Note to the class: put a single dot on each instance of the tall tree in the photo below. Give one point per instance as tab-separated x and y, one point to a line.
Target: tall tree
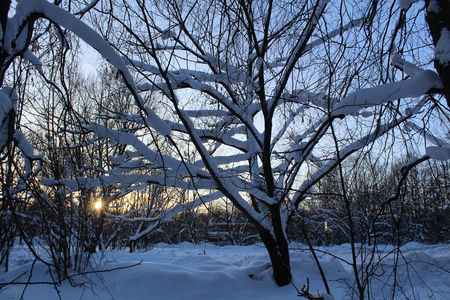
277	82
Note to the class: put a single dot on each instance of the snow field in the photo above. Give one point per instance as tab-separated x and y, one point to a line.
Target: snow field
195	271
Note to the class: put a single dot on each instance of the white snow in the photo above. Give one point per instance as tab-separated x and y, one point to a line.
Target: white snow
29	56
415	86
438	153
168	34
407	67
205	271
405	4
433	7
442	50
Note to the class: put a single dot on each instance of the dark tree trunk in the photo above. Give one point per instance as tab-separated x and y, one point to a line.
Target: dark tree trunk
438	18
4	8
278	249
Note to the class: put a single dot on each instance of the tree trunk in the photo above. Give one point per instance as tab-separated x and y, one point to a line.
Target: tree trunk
438	19
4	8
278	249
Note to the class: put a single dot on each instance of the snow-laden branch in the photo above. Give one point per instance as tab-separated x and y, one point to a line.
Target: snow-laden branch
8	134
409	68
221	134
280	62
181	75
405	4
164	161
442	49
300	152
228	159
297	52
349	149
306	99
441	150
416	86
87	7
220	177
235	74
26	149
224	137
250	188
168	214
411	126
438	153
30	57
128	182
26	8
332	34
287	123
182	79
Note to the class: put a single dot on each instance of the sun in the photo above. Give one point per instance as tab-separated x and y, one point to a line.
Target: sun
98	205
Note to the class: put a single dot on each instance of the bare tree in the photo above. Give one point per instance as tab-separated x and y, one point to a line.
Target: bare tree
273	81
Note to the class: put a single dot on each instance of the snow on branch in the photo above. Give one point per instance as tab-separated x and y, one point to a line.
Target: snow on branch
92	38
170	213
442	49
8	104
164	161
411	126
181	75
334	33
127	182
407	67
298	51
441	150
228	159
87	7
233	73
220	134
405	4
350	149
306	98
251	188
286	124
207	113
27	150
416	86
182	79
29	56
439	153
199	81
224	137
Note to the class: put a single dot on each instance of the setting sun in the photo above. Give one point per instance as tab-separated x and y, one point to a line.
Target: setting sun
98	205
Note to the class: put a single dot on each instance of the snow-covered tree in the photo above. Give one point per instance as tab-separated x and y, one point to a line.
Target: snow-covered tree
272	95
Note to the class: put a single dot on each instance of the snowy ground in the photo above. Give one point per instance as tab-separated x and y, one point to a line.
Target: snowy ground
189	271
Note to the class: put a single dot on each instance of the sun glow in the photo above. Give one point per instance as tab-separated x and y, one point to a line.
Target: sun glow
98	205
